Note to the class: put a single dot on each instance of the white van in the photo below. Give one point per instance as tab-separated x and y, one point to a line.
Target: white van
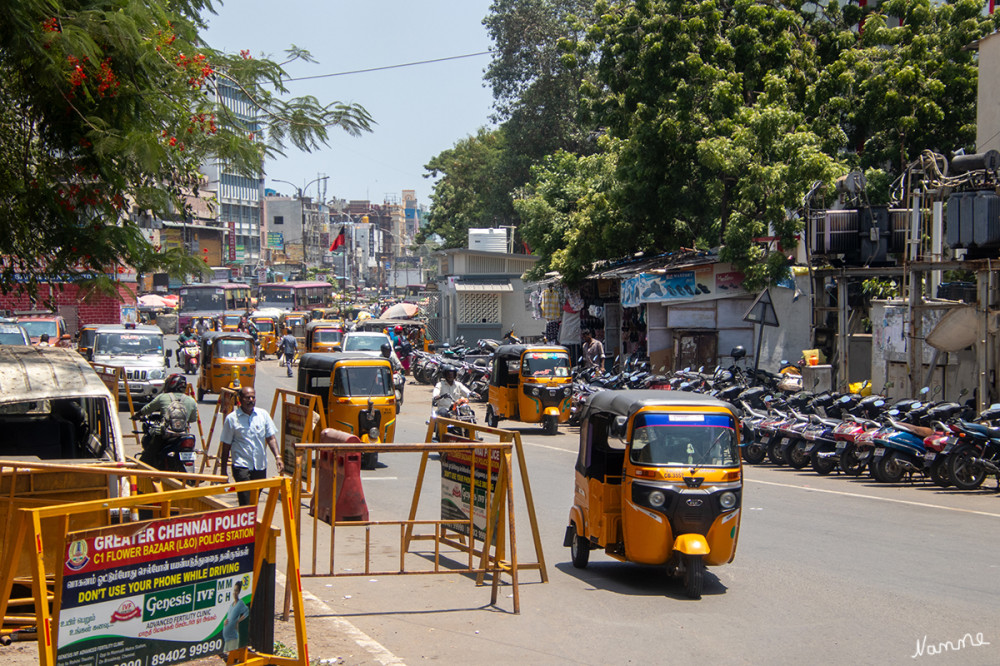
53	406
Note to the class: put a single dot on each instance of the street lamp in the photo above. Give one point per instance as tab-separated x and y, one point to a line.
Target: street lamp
302	209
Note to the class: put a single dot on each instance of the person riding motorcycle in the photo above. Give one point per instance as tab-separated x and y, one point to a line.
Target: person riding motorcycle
394	361
174	390
449	390
187	337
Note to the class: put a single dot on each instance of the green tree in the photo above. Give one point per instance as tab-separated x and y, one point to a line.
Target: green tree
473	189
567	215
105	108
908	83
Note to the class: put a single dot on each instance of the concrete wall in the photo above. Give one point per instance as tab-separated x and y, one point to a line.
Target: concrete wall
889	355
988	95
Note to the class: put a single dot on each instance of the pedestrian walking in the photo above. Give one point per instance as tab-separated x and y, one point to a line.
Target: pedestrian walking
593	351
288	346
248	432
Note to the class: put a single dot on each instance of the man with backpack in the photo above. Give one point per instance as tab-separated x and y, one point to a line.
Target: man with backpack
177	410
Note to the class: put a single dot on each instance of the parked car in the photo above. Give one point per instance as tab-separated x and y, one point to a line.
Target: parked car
140	352
13	334
51	324
365	341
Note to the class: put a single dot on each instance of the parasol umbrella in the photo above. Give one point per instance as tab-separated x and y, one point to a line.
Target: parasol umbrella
400	311
154	301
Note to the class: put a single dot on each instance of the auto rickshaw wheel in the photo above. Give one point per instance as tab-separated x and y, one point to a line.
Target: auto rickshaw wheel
491	417
551	425
579	550
201	394
694	576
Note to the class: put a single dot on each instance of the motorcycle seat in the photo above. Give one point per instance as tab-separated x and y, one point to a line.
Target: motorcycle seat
919	431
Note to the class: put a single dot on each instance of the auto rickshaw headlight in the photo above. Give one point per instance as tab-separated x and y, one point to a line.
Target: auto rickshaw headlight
727	500
534	391
657	498
373	433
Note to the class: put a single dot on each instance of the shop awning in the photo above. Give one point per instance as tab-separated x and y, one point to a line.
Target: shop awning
484	286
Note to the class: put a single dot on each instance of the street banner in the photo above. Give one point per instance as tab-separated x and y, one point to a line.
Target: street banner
157	592
456	487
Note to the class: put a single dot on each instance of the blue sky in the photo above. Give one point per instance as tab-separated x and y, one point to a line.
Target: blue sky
420	111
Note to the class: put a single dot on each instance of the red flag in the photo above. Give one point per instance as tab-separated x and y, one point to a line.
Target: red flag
338	241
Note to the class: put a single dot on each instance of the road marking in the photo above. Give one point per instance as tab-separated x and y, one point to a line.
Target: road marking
875	497
380	478
546	446
378	651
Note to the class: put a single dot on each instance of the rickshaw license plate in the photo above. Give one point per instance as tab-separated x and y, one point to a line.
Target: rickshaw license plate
187	455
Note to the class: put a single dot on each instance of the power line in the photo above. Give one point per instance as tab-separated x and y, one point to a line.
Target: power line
377	69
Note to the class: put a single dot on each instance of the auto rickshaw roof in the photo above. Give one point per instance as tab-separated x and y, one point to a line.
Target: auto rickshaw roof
626	403
324	323
510	352
327	361
211	336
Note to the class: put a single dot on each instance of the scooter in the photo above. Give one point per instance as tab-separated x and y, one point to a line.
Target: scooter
167	453
189	356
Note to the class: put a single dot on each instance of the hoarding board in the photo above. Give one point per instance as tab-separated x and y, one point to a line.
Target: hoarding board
157	592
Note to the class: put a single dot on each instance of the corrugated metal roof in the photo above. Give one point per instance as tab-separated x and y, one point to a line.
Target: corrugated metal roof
671	261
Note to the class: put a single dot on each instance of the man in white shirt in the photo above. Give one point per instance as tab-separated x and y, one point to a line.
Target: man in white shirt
245	432
449	389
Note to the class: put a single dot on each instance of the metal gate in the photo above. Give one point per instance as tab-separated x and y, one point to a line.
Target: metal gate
433	310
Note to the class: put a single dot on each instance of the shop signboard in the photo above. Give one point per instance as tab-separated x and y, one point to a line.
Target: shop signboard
705	283
157	592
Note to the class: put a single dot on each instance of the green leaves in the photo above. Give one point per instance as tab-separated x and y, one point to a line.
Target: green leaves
108	110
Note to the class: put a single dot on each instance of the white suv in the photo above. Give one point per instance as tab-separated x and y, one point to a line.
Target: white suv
140	351
365	341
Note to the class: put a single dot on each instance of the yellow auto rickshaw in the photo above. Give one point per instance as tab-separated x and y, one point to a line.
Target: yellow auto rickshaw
658	481
530	383
85	340
229	322
224	356
323	336
267	334
296	323
358	393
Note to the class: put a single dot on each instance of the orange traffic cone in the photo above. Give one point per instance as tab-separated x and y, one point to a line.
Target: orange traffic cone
351	503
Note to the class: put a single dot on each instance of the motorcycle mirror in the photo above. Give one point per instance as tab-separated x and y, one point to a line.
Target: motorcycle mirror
925	390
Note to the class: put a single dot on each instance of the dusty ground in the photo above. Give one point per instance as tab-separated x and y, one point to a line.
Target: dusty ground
331	640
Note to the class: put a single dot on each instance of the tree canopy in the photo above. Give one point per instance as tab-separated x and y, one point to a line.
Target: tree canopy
107	107
720	115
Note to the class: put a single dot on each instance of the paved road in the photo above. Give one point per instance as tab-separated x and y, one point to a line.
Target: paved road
829	570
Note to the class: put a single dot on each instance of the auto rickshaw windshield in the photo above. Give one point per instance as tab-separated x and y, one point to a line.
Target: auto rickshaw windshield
327	335
545	364
233	348
702	440
264	326
362	380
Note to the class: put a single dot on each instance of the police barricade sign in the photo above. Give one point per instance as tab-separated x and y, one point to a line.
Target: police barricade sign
456	488
157	592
